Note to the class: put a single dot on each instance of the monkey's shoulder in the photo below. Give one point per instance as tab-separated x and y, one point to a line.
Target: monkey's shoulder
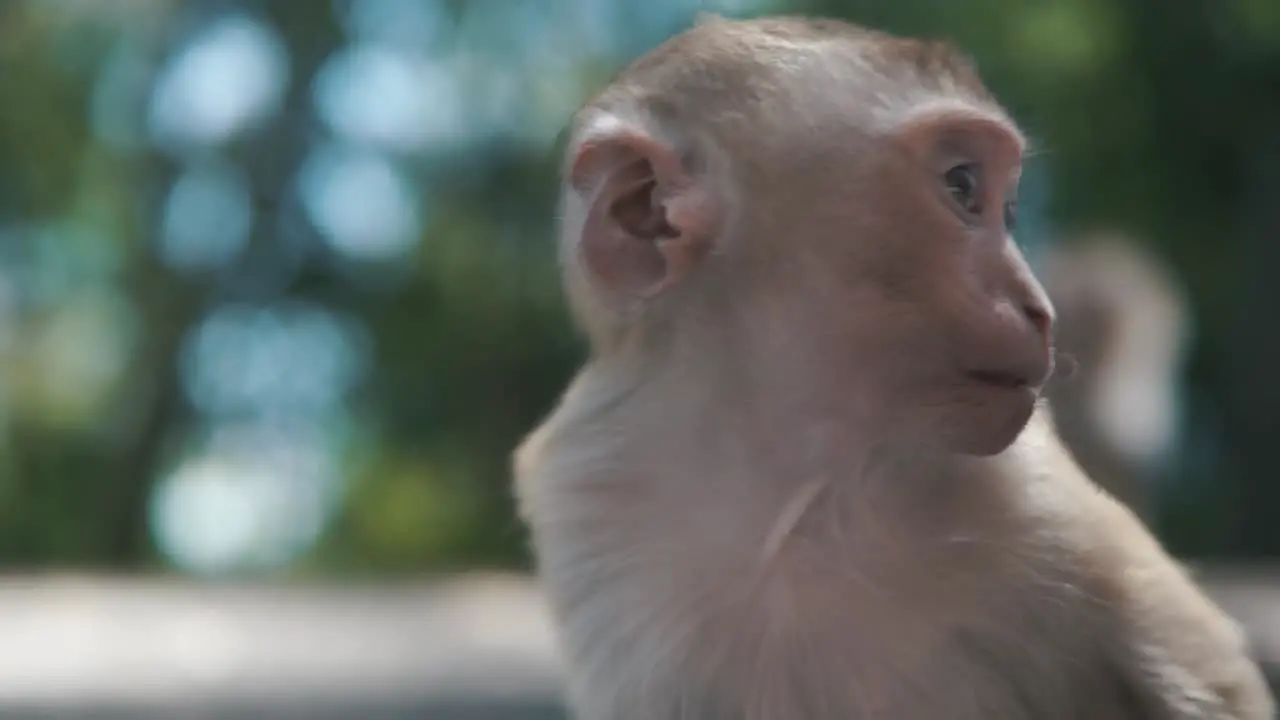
980	603
991	622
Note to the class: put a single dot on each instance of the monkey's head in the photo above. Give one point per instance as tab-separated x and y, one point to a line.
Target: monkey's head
834	207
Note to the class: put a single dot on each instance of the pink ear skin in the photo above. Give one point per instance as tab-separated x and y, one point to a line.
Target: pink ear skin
649	221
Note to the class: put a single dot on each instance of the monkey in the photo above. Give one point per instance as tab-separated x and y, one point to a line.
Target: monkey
1122	316
806	471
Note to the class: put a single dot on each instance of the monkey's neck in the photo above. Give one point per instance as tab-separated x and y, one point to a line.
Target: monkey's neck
750	433
725	486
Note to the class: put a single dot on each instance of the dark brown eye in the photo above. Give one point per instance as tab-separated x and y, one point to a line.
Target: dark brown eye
1010	215
962	182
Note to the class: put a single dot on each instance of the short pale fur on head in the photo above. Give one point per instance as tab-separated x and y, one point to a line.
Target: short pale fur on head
829	129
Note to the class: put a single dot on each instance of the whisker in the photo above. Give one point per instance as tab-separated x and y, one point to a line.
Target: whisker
1065	366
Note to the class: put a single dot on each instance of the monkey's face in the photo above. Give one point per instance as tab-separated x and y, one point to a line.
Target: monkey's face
878	272
949	318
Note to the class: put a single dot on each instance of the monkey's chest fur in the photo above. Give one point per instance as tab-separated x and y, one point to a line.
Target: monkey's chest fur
677	611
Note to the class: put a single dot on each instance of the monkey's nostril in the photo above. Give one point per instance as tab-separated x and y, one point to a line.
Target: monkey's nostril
1040	318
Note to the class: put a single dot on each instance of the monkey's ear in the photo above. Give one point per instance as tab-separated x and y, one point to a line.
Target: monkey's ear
649	221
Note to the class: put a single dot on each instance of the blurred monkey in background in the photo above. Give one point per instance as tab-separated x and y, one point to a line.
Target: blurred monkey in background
1123	319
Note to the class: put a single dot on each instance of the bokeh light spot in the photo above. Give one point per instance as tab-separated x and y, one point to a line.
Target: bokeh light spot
207	218
361	203
231	75
390	99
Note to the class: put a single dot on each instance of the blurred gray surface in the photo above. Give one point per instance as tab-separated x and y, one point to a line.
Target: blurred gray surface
380	709
478	648
1251	593
474	648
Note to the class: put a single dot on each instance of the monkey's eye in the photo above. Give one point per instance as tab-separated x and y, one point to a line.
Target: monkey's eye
1011	215
962	182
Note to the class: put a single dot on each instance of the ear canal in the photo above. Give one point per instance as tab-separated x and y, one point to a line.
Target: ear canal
636	209
624	223
646	223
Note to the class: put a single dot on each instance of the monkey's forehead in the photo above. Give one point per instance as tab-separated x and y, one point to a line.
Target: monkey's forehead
744	45
824	74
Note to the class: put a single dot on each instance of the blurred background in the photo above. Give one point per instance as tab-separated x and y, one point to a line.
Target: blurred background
278	298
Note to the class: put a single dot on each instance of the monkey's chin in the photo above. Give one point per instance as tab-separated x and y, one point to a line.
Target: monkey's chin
991	429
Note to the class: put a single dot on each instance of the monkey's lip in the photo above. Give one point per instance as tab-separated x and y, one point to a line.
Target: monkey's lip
1000	378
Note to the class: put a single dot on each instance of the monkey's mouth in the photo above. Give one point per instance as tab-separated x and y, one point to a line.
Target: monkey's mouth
999	378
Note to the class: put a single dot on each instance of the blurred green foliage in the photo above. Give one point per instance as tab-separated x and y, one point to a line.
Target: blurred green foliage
1160	117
